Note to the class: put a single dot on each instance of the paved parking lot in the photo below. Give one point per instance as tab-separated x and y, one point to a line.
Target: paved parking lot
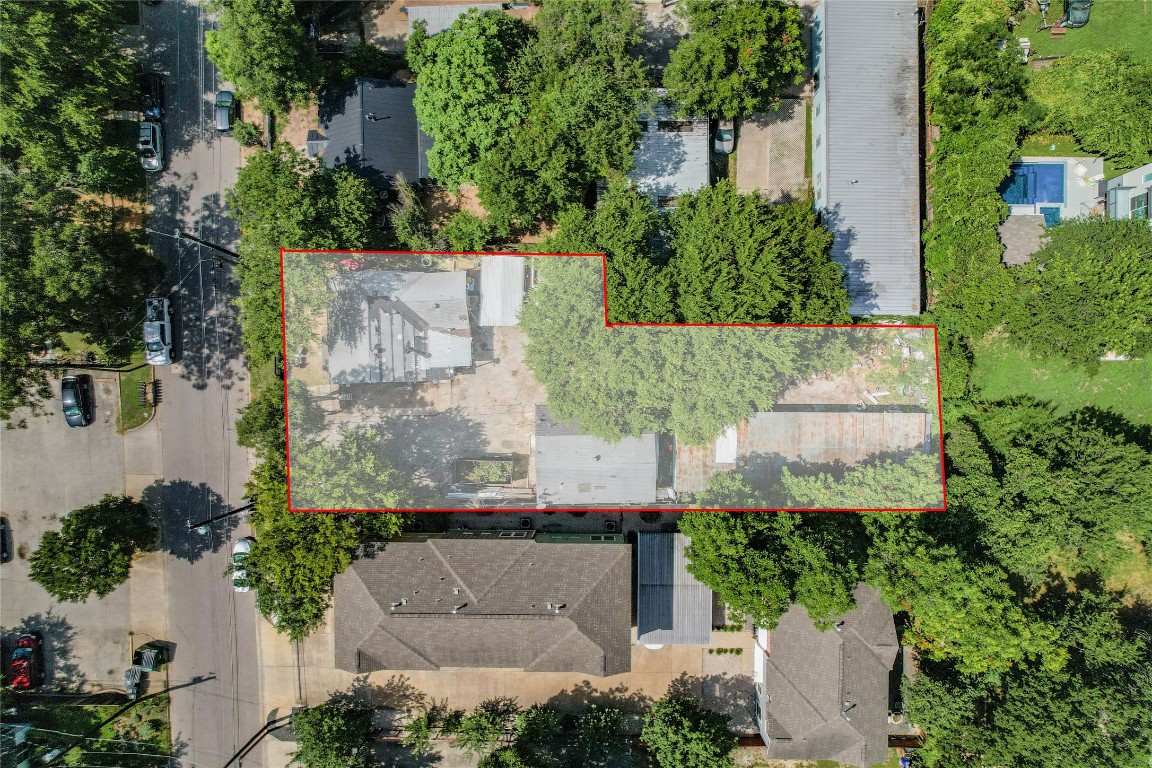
48	470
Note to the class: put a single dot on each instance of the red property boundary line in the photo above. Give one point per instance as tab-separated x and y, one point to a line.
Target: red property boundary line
604	281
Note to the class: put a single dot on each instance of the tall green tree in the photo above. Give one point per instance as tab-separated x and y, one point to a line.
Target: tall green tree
336	734
470	92
262	48
354	475
682	733
912	483
1104	98
738	259
1087	291
92	553
737	57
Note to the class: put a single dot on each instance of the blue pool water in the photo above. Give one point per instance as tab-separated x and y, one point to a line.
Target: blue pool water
1029	183
1051	216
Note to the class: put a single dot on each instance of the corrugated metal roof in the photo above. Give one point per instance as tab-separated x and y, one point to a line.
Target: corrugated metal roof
394	607
575	470
377	149
668	162
439	17
501	290
672	607
872	114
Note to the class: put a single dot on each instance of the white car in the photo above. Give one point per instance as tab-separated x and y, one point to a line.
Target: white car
158	331
150	146
725	141
240	552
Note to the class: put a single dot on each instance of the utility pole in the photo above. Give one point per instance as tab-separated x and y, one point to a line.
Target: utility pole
205	523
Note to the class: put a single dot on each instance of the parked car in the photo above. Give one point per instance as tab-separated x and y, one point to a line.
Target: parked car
152	96
225	102
74	400
150	145
158	331
26	667
725	141
240	552
5	540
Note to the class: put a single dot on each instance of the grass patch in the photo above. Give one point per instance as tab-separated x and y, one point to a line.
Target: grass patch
1040	144
1114	24
807	140
1003	370
75	344
132	414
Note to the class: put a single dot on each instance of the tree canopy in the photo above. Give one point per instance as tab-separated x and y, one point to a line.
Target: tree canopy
354	475
92	553
336	734
470	91
682	733
262	48
914	482
1087	291
737	57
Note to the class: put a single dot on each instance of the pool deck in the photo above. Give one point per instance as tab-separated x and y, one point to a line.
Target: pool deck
1022	232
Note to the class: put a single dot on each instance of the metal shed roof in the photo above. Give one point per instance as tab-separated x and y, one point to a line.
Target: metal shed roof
439	17
669	162
672	607
872	114
501	290
377	148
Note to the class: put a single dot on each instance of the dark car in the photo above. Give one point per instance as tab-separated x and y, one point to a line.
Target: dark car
26	667
225	105
75	401
5	540
152	96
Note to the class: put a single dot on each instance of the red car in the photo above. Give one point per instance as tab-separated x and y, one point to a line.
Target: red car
27	665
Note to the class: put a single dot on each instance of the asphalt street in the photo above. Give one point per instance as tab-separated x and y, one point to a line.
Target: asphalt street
203	469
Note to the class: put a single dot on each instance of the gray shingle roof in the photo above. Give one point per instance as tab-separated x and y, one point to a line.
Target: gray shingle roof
379	149
575	470
672	607
872	116
827	692
502	589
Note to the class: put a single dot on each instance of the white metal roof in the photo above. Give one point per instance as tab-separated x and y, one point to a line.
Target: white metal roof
501	290
439	17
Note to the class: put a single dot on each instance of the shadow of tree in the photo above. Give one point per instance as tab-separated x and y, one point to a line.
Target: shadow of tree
177	503
63	673
396	693
732	695
580	698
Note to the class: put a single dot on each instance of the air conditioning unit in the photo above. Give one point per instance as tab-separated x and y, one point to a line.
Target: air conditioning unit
895	718
610	526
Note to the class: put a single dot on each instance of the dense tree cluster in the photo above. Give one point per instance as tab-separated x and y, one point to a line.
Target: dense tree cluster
335	734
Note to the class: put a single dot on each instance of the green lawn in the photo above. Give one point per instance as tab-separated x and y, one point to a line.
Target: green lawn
1114	24
1003	371
132	414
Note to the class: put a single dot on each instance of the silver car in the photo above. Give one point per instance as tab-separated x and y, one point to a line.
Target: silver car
725	141
225	102
240	552
158	331
150	145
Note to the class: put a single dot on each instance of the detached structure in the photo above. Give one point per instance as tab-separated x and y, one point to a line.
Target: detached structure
866	148
438	18
672	607
578	470
493	599
674	156
397	327
501	290
825	695
372	129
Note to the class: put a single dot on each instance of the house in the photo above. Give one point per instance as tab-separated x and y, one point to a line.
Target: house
672	607
1130	196
438	18
674	156
501	290
397	326
578	470
825	695
866	148
517	600
372	129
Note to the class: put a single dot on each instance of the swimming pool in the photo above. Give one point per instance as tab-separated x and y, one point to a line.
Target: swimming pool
1029	183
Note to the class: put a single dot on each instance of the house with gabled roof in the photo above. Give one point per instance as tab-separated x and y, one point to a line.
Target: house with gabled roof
674	156
519	600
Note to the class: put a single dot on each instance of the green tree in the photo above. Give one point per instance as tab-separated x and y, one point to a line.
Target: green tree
262	48
737	57
64	54
738	259
354	475
92	553
729	490
1087	291
982	83
468	94
598	737
1105	98
336	734
681	733
912	483
761	563
465	231
479	732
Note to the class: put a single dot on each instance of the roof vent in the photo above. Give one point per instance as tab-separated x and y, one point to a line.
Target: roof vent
396	605
455	590
839	626
560	605
457	608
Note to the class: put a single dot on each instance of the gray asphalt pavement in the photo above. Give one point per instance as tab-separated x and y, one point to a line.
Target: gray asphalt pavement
213	627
